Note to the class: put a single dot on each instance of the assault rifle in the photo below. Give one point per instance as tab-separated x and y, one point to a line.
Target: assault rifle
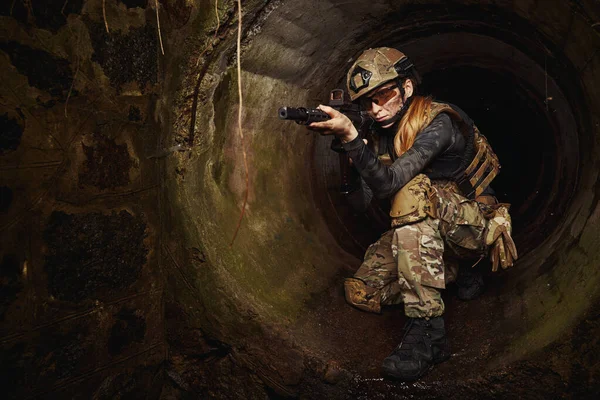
361	120
337	100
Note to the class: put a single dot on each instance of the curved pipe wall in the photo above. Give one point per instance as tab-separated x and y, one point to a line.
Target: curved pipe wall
284	271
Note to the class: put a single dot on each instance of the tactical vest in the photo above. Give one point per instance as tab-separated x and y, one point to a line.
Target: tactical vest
412	203
484	166
480	170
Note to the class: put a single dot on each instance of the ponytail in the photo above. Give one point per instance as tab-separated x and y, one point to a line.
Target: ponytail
415	119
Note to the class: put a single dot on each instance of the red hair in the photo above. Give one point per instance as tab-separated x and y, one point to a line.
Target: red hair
415	119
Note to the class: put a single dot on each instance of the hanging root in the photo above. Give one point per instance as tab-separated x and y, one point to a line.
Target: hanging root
104	15
214	37
71	88
62	10
239	76
162	49
217	15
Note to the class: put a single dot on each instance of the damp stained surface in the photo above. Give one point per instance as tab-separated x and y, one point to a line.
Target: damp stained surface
11	134
107	164
135	3
88	253
45	14
123	174
43	70
12	284
6	198
129	326
126	57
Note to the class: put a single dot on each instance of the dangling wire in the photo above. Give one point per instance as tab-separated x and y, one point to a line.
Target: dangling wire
239	76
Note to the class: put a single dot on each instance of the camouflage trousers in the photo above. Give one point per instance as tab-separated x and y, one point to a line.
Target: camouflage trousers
411	263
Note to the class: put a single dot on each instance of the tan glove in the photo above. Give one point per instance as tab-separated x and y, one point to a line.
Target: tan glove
502	247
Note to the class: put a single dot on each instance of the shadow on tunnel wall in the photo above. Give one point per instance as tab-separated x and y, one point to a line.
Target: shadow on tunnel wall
123	174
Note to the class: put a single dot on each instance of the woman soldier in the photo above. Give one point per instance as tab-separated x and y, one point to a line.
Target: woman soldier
432	162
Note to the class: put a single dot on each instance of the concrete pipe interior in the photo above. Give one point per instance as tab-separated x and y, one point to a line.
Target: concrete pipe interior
124	176
529	79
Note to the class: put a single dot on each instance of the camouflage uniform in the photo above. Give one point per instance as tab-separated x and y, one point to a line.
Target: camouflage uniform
437	226
432	223
422	250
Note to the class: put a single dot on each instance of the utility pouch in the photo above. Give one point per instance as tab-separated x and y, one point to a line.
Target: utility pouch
412	203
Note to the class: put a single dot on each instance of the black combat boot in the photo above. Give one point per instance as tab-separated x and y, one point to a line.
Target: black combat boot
423	345
469	283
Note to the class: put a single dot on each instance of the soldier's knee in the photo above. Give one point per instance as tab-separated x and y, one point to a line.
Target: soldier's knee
361	296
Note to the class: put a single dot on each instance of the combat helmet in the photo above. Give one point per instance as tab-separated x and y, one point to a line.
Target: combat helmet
375	67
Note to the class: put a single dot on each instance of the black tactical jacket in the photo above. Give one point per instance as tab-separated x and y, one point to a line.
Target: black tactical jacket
440	151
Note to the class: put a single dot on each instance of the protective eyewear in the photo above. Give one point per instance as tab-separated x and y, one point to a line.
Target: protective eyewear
380	97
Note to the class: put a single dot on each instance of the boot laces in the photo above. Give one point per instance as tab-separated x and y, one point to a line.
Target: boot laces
414	334
467	278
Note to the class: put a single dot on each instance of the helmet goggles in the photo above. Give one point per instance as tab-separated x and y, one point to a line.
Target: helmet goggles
381	96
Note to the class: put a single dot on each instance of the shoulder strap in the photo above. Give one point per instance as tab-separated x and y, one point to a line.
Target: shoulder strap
484	166
438	108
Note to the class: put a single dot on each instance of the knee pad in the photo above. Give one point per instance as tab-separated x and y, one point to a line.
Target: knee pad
361	296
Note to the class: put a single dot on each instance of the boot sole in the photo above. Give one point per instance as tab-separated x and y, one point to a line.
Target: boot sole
391	373
442	358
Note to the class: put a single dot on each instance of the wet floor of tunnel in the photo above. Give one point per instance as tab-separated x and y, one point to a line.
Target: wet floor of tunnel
122	183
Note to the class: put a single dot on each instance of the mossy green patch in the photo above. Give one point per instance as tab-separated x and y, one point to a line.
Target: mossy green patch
274	262
557	300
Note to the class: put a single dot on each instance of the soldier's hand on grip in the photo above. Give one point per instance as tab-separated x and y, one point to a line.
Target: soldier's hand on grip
339	125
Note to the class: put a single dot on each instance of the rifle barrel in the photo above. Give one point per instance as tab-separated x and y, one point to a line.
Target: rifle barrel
303	115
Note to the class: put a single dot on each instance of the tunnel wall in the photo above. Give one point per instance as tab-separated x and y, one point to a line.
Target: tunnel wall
82	298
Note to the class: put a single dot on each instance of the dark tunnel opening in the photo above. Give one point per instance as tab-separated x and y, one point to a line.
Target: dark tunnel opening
519	130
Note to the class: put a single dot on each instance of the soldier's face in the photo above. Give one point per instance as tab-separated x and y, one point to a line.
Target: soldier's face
386	101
